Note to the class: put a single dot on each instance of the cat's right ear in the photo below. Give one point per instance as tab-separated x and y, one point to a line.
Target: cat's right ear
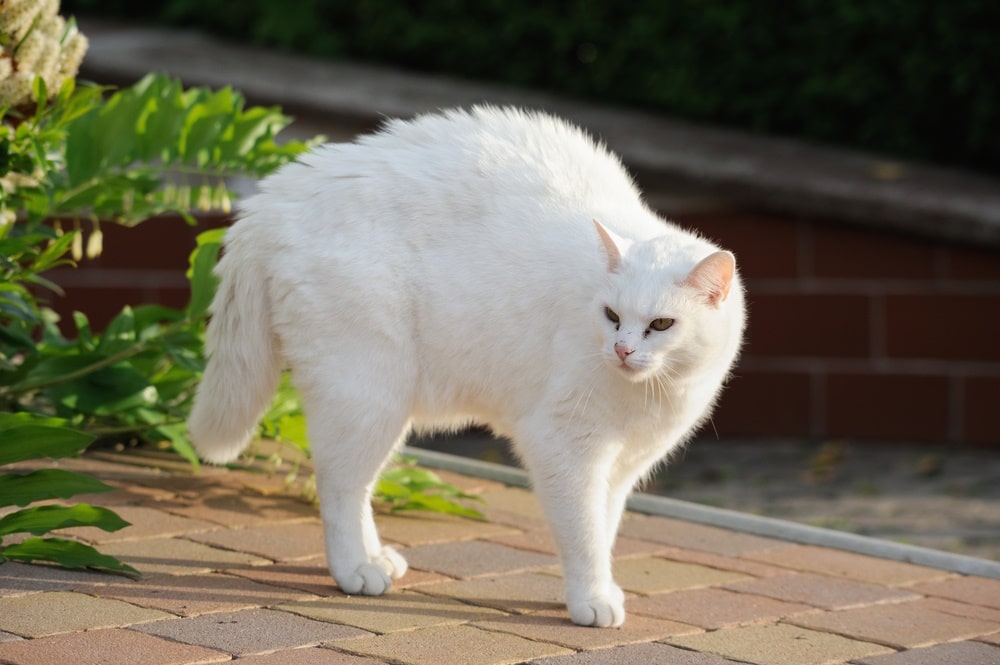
613	246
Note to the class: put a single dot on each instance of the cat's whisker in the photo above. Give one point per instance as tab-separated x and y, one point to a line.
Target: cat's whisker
585	397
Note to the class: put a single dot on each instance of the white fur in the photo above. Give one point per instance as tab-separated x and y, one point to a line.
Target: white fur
448	270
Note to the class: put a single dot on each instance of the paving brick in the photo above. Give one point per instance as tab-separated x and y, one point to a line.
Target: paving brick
126	495
17	579
820	591
679	533
962	609
473	558
520	592
115	646
434	646
655	575
535	540
144	523
780	644
54	612
250	631
971	590
177	556
244	508
308	656
720	562
555	627
901	625
637	654
959	653
191	595
414	529
847	564
403	610
714	608
313	576
541	540
278	542
514	500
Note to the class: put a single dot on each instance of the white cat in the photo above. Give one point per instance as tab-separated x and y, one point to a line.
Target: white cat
490	266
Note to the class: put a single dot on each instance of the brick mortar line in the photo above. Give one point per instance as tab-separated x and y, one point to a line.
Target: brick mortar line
794	285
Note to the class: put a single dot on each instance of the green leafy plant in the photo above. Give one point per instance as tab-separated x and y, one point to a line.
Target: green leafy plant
143	151
79	155
25	437
409	487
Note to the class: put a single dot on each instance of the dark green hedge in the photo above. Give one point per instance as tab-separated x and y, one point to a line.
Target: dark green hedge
915	78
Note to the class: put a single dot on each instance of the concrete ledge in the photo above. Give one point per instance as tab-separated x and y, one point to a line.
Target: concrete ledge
735	521
768	174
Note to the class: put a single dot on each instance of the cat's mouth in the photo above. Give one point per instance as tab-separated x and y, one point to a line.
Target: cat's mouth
632	372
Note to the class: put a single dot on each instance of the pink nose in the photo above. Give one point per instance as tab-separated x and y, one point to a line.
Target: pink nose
623	350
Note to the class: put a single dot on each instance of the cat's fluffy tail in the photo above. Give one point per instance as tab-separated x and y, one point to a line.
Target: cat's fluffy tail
244	364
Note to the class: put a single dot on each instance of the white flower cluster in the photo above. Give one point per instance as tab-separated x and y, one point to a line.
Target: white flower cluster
36	41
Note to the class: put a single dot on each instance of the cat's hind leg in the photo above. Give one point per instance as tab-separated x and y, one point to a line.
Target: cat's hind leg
353	432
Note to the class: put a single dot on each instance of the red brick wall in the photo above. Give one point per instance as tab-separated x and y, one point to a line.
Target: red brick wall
144	264
853	333
861	333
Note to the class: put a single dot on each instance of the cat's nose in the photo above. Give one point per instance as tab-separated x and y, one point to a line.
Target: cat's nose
623	350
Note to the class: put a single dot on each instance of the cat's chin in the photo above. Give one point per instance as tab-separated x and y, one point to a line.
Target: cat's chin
632	373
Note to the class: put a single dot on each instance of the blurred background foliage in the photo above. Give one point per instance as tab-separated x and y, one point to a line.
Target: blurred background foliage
913	78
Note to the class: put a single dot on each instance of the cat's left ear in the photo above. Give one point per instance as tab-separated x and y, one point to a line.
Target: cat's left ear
614	246
713	277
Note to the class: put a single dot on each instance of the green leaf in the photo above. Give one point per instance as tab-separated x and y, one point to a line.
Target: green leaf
106	391
120	333
83	332
66	553
203	280
53	252
43	519
23	442
54	368
438	504
177	435
20	490
391	491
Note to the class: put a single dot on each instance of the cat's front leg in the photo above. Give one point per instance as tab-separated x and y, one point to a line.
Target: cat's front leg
573	491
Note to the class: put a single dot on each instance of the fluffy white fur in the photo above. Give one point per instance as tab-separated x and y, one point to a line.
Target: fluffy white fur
449	270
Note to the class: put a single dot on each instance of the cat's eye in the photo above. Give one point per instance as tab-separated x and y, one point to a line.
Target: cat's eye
612	316
661	324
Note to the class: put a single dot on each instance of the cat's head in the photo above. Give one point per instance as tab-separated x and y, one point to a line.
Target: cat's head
668	308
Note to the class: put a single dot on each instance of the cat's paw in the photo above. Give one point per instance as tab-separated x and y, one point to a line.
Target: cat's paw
602	612
368	579
392	562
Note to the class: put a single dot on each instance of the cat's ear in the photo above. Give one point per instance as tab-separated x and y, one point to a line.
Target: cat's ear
613	245
713	277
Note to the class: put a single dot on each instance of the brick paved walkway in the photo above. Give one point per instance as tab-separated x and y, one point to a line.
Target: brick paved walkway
234	570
